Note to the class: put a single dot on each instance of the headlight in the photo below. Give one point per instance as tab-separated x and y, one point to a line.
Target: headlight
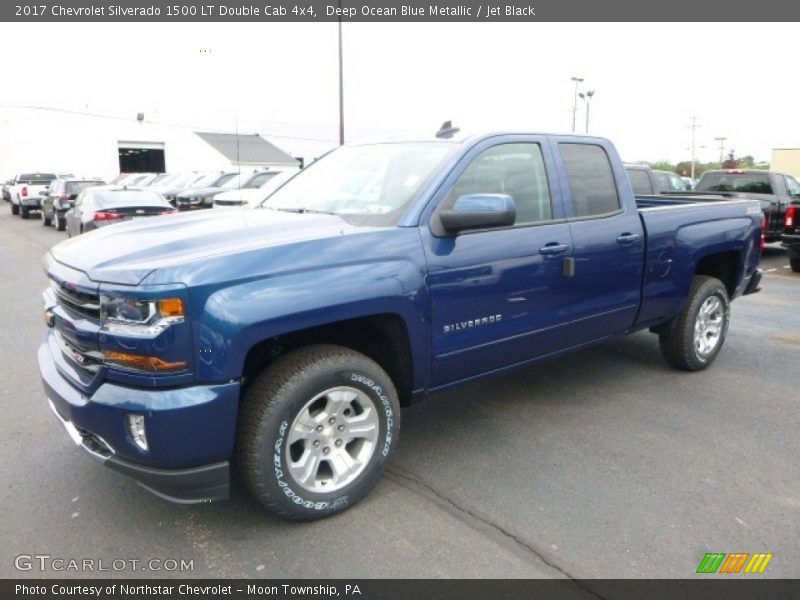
131	311
127	310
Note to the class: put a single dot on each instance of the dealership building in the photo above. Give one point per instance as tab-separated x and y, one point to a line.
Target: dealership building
92	145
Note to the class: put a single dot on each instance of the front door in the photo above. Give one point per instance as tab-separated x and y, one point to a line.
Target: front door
500	297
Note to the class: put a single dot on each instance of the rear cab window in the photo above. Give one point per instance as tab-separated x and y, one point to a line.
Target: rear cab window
640	181
727	181
591	180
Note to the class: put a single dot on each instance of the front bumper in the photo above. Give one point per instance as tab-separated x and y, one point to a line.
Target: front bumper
190	431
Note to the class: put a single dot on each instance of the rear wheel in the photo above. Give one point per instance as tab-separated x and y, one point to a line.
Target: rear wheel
795	264
14	209
25	212
693	340
316	429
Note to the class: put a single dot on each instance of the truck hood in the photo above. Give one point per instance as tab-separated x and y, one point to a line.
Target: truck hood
127	253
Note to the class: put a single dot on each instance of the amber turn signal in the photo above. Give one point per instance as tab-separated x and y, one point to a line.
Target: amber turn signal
143	363
171	307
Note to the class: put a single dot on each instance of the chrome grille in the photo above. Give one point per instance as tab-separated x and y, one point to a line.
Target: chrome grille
83	358
82	303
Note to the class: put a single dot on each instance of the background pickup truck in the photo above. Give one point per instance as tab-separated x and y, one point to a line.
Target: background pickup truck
287	337
25	193
774	190
645	181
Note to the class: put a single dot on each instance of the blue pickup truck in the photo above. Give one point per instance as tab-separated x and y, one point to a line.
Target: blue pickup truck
287	338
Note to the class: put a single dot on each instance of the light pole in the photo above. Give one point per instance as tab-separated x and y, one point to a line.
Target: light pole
694	125
721	141
587	98
341	81
577	80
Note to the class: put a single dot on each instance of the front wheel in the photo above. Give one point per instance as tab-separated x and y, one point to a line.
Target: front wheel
693	340
316	429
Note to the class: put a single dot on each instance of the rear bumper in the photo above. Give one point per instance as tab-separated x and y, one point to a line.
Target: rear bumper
190	431
29	202
792	244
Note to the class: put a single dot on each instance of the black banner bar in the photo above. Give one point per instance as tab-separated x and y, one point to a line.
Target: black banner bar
405	10
711	588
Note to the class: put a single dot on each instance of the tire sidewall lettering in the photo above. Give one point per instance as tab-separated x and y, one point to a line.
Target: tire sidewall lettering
280	446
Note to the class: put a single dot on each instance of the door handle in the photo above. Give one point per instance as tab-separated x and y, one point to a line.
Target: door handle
627	238
553	249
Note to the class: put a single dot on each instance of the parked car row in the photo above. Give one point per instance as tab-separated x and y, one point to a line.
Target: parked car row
79	204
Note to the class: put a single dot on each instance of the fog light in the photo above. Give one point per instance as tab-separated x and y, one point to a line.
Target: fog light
136	429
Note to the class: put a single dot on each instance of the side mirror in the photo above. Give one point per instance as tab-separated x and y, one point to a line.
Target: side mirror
479	211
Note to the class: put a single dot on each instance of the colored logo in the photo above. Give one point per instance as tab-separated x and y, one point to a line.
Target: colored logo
736	562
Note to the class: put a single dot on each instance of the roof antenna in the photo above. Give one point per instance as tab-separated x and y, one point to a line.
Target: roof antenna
447	130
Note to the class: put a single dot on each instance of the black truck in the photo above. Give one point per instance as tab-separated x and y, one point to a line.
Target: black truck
774	190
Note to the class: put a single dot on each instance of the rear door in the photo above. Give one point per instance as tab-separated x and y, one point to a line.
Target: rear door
608	239
499	296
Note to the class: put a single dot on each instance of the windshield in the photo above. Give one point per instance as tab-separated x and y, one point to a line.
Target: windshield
751	183
369	185
221	180
36	178
259	179
75	187
234	181
202	181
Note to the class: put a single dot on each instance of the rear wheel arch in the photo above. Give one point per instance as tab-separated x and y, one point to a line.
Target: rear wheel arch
725	266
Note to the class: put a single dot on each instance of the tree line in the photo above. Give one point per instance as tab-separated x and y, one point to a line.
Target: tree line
684	168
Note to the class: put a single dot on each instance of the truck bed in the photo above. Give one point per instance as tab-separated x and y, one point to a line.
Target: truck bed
680	231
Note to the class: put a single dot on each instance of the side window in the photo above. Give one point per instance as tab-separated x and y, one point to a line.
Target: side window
514	169
678	184
591	181
663	181
792	186
79	199
640	181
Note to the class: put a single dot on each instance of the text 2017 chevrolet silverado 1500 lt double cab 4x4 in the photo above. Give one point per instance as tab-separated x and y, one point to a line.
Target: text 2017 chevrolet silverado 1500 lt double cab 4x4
288	337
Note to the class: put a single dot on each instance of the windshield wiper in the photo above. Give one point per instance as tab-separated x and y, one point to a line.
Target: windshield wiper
302	211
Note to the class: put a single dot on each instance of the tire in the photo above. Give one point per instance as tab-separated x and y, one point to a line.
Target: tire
61	224
14	209
25	212
795	264
293	414
693	340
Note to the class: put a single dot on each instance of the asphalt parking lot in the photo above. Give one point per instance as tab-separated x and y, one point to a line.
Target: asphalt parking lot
606	463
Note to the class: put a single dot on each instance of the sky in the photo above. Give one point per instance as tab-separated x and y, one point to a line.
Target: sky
281	79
